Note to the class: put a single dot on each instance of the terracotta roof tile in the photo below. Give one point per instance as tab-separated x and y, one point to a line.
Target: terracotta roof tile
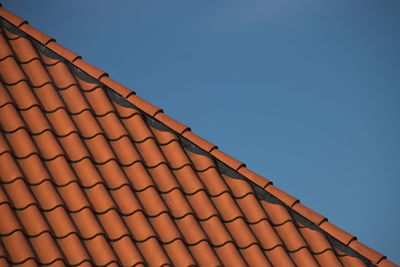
347	260
338	233
171	123
188	180
279	257
12	18
308	213
386	263
228	160
64	52
283	196
17	247
34	33
254	177
89	69
204	254
91	174
328	258
317	242
230	255
144	105
254	256
24	52
375	256
200	142
277	213
116	87
201	163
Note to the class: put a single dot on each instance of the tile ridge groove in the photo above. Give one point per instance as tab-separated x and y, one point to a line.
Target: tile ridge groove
29	61
134	190
37	153
146	214
126	94
27	129
68	111
105	235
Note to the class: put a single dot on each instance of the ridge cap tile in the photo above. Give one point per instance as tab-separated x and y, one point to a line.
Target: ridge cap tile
14	19
308	213
386	263
89	68
282	195
226	159
171	123
64	52
120	89
184	131
199	141
36	34
337	232
254	177
366	251
142	104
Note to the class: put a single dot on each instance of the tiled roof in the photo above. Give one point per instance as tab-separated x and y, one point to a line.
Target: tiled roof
91	174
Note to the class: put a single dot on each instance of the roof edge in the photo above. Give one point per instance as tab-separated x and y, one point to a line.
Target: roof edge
184	131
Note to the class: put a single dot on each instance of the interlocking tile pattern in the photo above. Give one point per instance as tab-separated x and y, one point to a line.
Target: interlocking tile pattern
91	174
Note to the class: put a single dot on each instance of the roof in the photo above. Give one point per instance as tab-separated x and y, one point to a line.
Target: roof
92	174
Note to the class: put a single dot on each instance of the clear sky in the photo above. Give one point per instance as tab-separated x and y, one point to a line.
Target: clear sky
307	93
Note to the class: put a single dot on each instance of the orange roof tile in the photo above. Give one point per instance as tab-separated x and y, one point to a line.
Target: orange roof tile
91	174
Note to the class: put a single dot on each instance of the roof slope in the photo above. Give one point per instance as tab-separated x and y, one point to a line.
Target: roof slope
91	174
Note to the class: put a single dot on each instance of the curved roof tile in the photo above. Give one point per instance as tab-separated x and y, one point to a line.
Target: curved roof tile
92	174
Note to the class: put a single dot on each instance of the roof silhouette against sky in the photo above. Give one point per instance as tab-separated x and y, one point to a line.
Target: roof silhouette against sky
178	129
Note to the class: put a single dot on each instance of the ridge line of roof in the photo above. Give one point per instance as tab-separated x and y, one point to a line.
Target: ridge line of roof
184	131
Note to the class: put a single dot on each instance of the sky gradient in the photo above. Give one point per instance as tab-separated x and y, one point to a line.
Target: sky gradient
306	93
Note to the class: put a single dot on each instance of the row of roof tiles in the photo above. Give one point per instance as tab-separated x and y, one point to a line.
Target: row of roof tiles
31	109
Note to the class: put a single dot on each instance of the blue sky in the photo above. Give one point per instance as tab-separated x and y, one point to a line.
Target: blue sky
307	93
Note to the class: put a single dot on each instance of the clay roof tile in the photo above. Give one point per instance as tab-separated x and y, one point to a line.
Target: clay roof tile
92	174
